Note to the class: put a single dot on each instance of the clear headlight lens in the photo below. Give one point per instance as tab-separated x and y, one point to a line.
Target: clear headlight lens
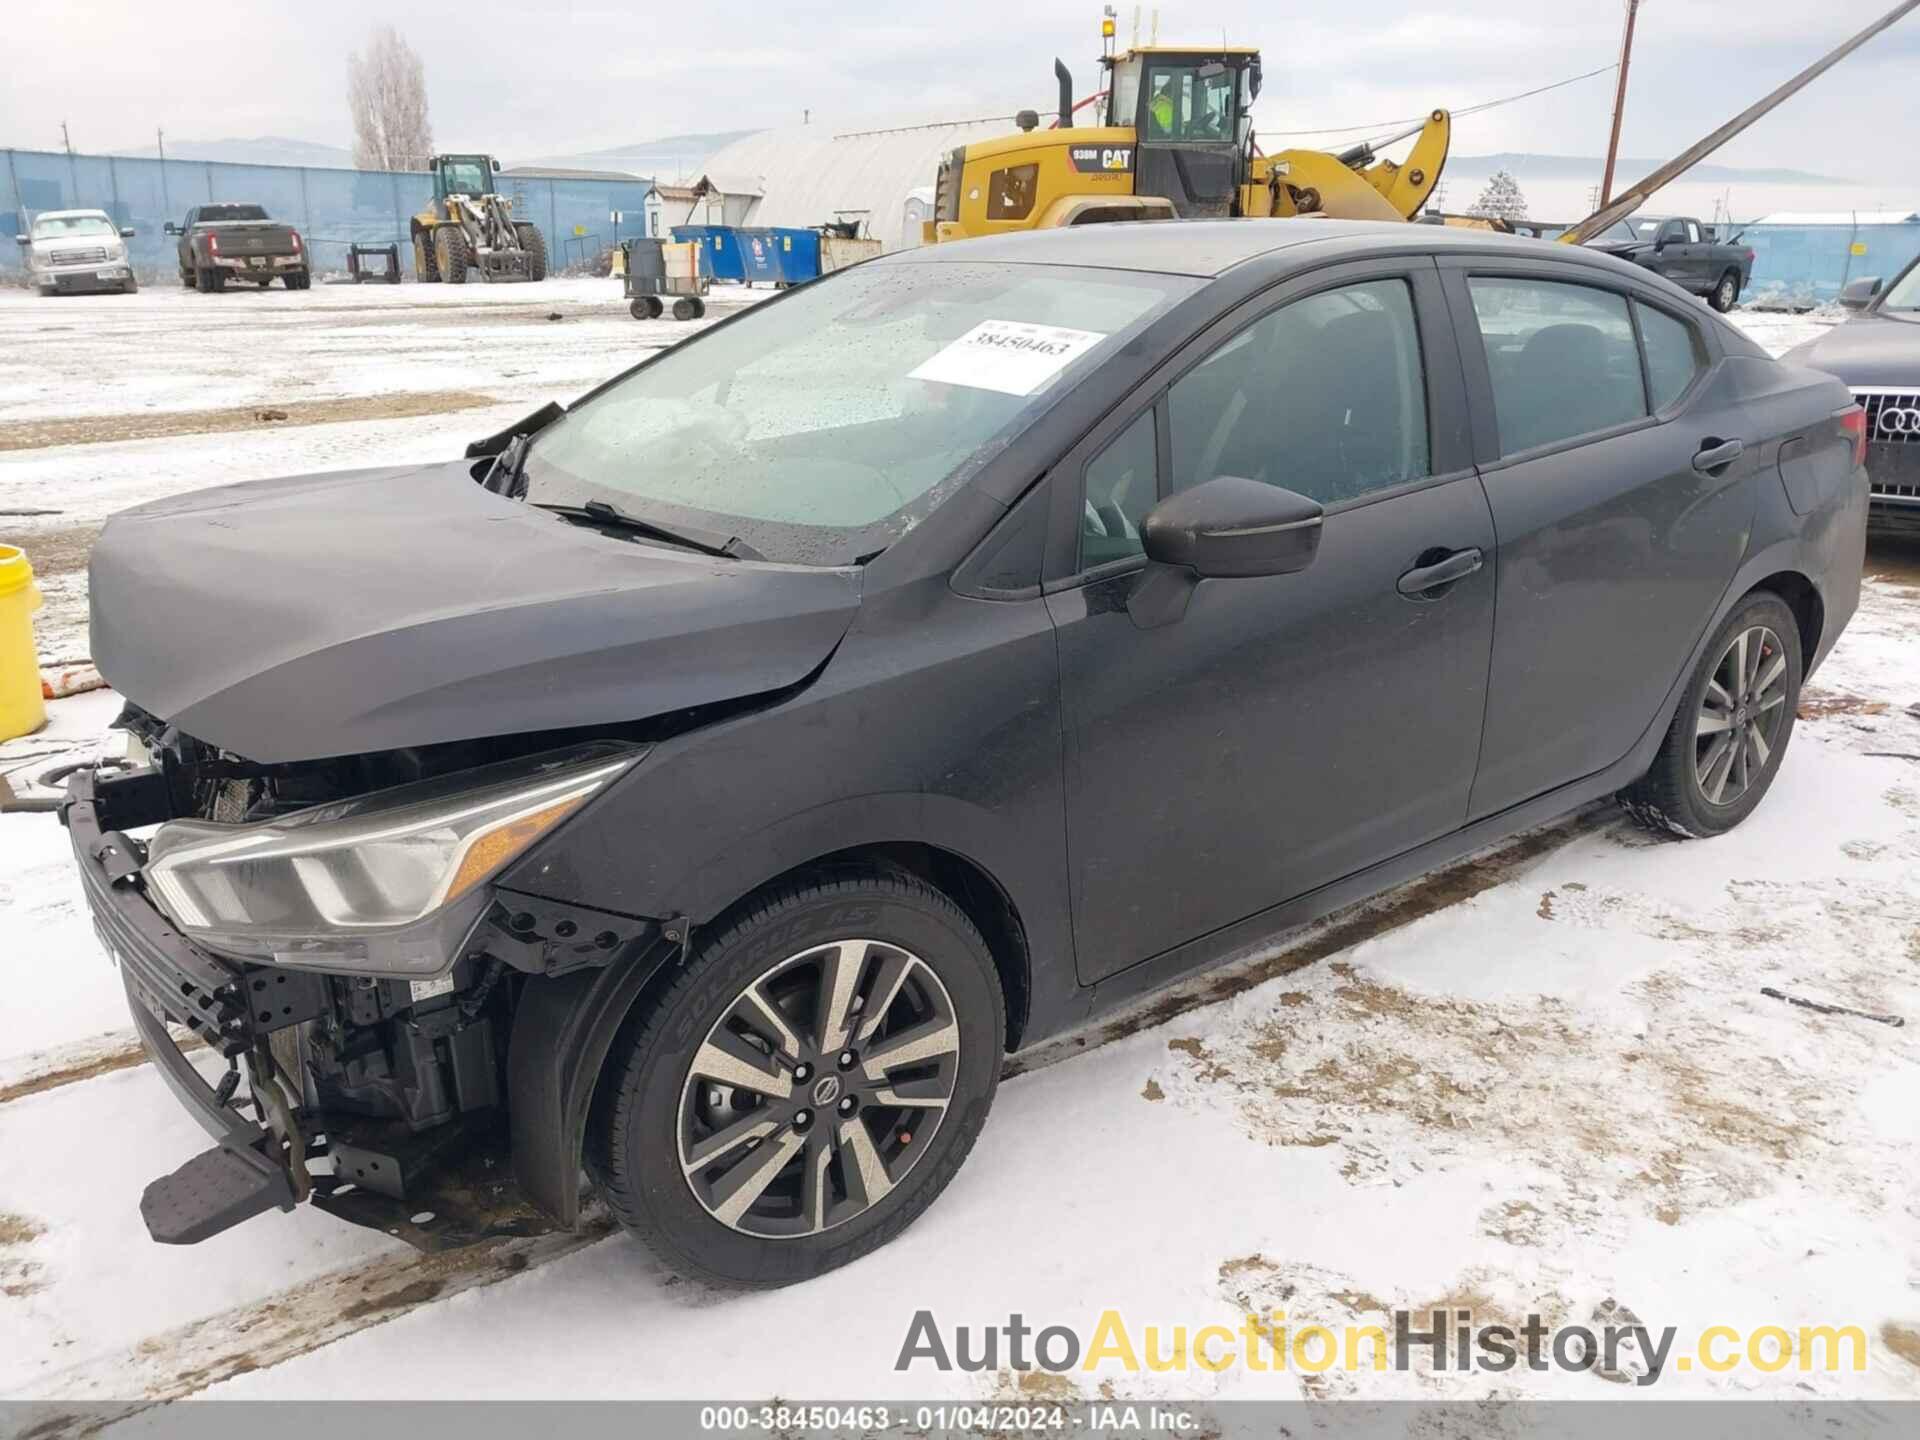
373	884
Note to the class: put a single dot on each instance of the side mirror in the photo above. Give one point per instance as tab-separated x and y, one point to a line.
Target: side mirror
1659	242
1230	527
1227	528
126	232
170	228
496	167
1858	294
22	240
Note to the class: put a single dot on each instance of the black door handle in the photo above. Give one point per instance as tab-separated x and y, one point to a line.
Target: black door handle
1457	566
1717	455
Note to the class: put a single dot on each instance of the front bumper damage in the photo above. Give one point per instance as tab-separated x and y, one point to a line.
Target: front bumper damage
436	1185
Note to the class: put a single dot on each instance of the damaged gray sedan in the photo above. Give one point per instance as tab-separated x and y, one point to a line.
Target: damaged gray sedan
693	794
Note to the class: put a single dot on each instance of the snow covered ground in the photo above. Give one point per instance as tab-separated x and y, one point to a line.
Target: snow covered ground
1534	1082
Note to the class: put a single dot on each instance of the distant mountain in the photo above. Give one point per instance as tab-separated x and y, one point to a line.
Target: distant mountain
262	150
670	157
1588	167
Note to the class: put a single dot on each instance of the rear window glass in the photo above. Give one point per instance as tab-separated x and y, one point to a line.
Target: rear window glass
215	214
1675	354
1562	358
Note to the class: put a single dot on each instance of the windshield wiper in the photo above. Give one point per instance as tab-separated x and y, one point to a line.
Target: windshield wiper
707	542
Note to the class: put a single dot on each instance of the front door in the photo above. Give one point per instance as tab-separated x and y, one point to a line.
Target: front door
1283	731
1617	536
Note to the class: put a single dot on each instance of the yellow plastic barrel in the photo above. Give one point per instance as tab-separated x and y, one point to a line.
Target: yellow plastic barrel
22	708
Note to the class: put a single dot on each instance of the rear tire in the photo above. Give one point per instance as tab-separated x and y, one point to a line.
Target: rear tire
1729	734
425	268
1726	294
211	279
450	254
300	280
836	1188
535	244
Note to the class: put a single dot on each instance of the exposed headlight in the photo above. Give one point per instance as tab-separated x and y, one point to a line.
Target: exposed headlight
389	883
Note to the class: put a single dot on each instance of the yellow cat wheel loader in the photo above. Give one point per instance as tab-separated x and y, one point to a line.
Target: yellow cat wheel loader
471	227
1175	140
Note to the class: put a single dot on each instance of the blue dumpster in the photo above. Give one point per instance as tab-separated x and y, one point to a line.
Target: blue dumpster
722	246
759	256
798	252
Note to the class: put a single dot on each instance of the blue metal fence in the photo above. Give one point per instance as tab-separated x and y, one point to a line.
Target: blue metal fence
1807	264
331	208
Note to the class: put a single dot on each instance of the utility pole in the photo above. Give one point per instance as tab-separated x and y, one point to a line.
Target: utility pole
160	141
1619	106
64	140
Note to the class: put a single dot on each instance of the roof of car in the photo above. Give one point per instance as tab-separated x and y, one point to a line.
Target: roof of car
1212	247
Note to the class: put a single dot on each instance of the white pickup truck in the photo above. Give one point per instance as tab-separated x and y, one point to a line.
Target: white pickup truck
69	250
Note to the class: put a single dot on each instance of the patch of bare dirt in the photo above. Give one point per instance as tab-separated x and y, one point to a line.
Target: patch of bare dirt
122	1055
19	1277
62	550
1152	1091
1819	704
94	429
1902	1340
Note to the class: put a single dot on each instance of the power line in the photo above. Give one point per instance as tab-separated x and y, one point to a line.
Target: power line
1483	106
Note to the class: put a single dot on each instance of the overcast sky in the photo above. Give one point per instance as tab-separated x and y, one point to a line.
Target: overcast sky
523	79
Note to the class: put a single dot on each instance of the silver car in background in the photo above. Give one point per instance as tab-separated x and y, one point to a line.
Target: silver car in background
71	250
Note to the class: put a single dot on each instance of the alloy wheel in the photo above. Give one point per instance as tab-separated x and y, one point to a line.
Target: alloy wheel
1740	716
819	1089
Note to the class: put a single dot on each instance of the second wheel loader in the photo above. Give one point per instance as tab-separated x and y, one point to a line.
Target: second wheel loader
470	226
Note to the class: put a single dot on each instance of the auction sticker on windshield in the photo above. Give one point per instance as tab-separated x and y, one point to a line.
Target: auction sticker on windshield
1007	355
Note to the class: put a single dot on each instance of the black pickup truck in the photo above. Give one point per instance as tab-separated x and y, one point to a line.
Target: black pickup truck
219	243
1685	251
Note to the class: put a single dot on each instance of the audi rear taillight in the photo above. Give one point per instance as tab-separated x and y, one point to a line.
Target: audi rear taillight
1853	420
296	241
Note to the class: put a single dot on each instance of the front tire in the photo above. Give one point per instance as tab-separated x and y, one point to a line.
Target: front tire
450	254
1726	293
527	235
807	1085
1730	733
130	286
426	270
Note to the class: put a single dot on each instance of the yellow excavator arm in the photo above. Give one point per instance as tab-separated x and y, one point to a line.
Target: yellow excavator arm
1353	185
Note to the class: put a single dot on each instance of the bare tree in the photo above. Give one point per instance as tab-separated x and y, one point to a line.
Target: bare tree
1501	199
387	93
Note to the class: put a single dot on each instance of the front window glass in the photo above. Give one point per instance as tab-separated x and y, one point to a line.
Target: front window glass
1325	397
822	426
1122	486
1190	102
57	227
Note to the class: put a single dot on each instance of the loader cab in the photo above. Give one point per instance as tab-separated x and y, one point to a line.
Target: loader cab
1190	111
463	175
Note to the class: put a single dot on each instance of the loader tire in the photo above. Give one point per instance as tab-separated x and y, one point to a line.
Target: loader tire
535	244
450	254
425	268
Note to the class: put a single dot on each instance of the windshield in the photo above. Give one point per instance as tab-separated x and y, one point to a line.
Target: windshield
1631	229
55	227
1905	292
822	426
464	177
220	214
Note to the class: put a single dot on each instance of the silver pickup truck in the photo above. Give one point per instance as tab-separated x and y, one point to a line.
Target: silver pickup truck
219	243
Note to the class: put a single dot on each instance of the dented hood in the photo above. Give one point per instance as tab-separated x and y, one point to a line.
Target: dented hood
373	609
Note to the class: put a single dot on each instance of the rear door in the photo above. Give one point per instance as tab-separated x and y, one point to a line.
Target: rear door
1619	461
1283	731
